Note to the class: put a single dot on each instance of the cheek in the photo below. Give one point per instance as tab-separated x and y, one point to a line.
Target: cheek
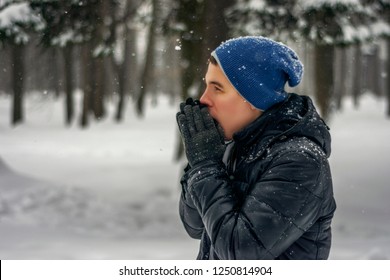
231	113
239	116
235	109
231	105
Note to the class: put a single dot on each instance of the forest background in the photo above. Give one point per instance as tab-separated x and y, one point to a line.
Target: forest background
103	183
120	51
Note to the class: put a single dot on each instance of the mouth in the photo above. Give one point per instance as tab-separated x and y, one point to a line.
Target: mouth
212	114
217	123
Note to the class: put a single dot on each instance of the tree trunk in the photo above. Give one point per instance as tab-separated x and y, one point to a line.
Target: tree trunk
130	73
340	76
376	72
86	70
18	53
98	62
121	101
323	77
56	81
128	70
215	30
387	86
147	73
68	67
212	30
98	87
357	81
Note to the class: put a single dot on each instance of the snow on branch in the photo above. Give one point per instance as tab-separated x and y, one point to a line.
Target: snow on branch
15	18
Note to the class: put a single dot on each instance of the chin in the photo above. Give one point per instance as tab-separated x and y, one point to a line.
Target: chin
227	136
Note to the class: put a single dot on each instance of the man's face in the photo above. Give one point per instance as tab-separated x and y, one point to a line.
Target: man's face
225	104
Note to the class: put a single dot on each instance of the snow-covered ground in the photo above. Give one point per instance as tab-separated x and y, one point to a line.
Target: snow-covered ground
111	191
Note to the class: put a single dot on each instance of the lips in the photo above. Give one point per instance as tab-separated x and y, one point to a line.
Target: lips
213	115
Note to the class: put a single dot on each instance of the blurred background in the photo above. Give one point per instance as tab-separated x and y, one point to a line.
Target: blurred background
90	158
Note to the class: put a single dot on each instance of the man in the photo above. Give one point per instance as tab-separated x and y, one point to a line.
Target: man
269	194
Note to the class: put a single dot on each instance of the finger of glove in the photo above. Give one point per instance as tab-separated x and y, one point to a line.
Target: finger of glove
177	116
210	123
182	105
198	119
190	119
183	126
207	119
189	101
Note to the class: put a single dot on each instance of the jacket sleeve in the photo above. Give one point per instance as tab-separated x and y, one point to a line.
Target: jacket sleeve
189	215
278	208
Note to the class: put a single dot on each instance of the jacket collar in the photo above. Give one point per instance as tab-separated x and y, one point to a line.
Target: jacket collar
294	117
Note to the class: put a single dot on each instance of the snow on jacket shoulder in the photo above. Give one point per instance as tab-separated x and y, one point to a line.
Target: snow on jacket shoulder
274	199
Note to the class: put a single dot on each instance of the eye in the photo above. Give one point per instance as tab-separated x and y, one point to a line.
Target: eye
216	88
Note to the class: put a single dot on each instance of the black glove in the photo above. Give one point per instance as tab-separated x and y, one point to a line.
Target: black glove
202	137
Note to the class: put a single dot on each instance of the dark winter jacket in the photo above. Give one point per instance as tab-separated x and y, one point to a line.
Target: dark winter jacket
274	198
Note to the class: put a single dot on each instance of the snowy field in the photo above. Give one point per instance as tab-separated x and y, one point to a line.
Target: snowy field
111	191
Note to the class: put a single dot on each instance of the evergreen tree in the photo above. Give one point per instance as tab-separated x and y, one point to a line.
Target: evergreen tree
148	65
201	26
274	19
81	22
17	23
380	26
126	65
325	24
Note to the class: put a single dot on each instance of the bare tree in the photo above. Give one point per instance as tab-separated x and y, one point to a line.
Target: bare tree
18	70
340	82
69	83
147	71
388	77
205	27
127	69
323	77
87	81
357	82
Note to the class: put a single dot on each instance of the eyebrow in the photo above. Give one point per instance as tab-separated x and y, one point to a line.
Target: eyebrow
216	83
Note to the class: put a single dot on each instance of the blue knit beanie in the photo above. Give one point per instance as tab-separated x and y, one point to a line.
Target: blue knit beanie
259	68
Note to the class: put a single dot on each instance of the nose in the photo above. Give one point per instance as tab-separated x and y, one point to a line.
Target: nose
204	99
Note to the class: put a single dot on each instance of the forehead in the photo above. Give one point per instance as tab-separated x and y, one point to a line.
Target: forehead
215	74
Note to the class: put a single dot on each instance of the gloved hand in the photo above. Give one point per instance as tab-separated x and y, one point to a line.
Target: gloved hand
202	137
